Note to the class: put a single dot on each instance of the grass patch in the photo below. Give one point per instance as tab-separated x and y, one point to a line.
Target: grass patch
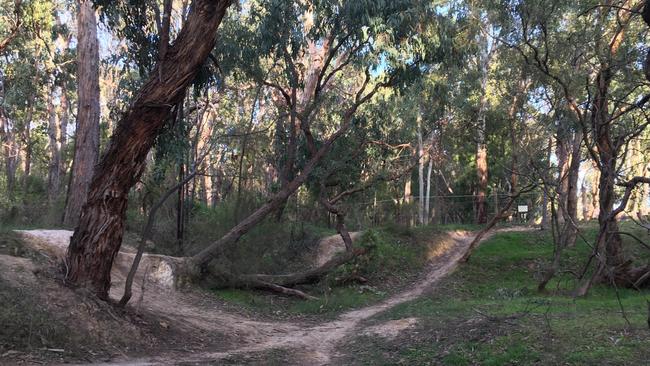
489	313
331	302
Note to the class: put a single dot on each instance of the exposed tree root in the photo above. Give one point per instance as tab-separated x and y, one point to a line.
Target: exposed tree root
631	277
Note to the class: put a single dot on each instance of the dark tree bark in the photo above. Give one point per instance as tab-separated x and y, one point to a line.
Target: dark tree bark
98	237
86	149
608	242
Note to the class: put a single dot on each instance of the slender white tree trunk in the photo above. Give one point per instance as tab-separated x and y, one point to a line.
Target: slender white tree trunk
427	203
420	171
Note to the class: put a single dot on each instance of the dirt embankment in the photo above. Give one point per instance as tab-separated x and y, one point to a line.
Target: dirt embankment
212	334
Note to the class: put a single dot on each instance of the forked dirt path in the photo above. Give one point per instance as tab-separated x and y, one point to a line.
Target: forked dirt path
308	344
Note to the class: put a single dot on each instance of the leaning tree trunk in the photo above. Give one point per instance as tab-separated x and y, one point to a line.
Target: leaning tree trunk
86	148
98	237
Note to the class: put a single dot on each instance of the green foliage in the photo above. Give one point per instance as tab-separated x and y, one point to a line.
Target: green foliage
488	312
396	255
391	255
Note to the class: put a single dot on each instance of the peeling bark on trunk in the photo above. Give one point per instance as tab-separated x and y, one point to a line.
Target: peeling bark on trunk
481	157
98	237
481	139
87	132
608	243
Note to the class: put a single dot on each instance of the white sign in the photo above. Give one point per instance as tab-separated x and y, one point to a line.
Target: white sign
522	208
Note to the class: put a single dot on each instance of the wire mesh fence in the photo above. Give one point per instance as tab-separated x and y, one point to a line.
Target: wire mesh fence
443	210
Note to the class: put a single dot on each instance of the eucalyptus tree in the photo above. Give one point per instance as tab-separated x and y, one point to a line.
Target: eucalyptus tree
592	53
86	149
97	239
324	60
12	15
22	98
60	66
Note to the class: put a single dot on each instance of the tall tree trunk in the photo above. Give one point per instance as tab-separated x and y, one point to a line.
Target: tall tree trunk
8	143
482	154
608	241
63	130
590	206
29	144
427	202
408	193
421	210
570	230
10	152
98	237
180	210
545	199
563	155
482	176
54	133
86	148
518	100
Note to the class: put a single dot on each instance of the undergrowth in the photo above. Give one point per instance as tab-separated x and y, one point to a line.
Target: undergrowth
395	257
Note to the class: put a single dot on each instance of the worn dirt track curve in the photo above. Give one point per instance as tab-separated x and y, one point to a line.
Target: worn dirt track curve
316	345
308	344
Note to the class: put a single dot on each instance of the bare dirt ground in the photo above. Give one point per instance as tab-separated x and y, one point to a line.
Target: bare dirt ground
203	318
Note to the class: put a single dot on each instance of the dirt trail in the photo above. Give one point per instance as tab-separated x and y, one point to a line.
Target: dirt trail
309	344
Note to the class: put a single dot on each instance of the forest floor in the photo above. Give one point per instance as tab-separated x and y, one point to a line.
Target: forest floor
481	314
196	322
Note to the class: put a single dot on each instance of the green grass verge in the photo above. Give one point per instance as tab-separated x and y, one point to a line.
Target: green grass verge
489	313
